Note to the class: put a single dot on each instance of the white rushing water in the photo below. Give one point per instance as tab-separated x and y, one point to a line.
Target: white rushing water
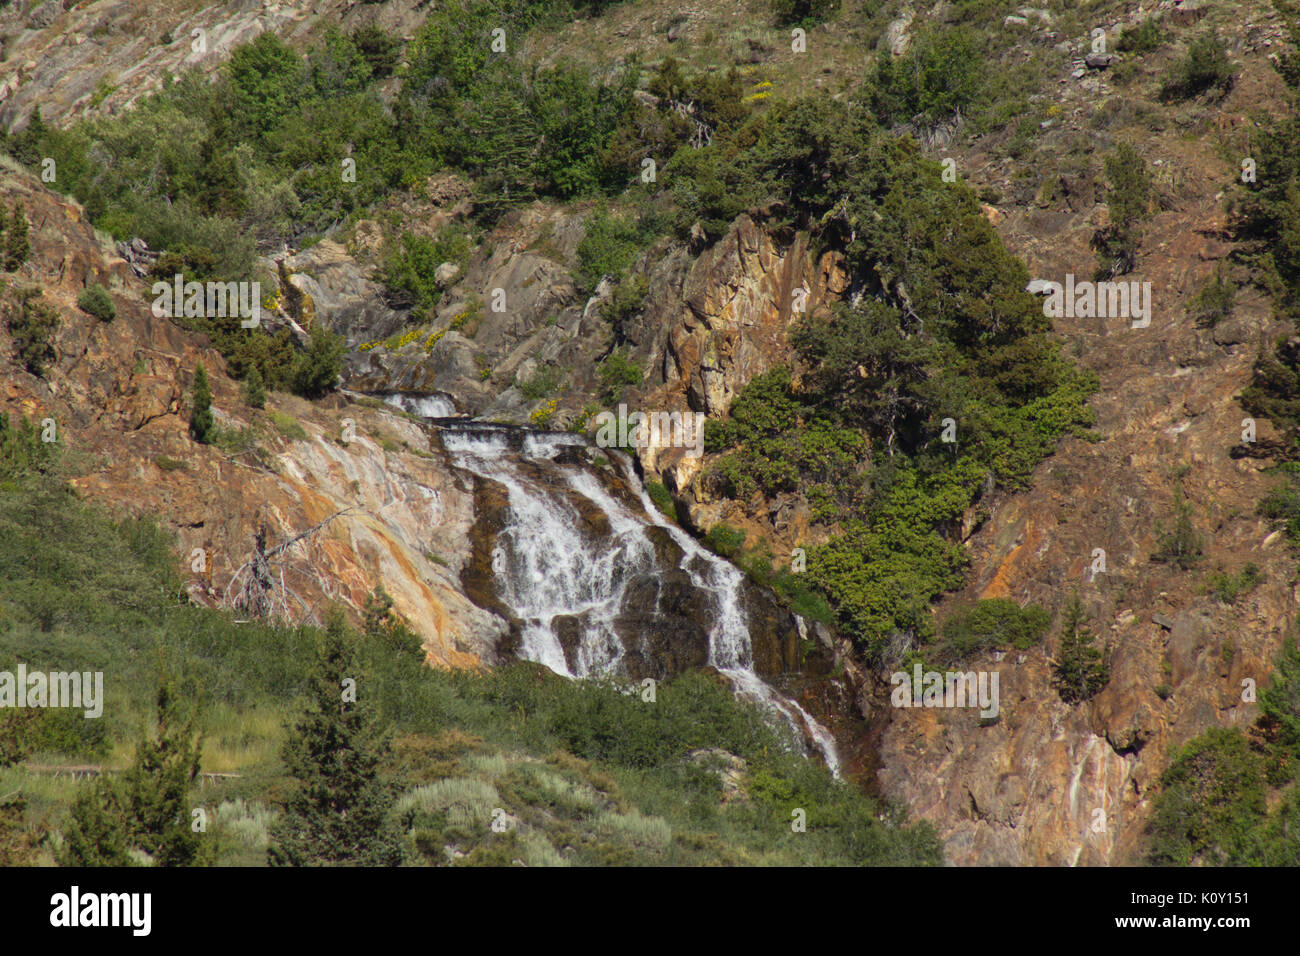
426	406
546	567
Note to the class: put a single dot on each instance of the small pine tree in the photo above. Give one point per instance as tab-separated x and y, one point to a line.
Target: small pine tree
340	811
17	247
32	326
26	146
149	809
1128	201
316	370
1081	670
254	388
202	424
95	834
156	789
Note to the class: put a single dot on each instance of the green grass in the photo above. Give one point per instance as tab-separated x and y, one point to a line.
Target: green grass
288	426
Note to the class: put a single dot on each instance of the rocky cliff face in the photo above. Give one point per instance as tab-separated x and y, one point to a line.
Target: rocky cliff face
1057	784
1030	788
393	512
74	59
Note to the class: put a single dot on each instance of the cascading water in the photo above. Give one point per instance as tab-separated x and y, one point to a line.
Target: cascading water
547	571
426	406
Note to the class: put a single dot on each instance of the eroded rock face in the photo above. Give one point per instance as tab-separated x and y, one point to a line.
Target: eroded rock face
394	515
63	56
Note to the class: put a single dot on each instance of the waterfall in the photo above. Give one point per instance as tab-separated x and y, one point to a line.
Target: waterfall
546	569
426	406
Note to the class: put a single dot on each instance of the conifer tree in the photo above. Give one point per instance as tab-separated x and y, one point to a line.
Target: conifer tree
17	246
254	388
202	425
156	789
1081	670
150	809
340	810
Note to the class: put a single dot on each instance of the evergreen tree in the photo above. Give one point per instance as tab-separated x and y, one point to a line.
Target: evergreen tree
1128	200
17	246
156	789
254	388
149	809
317	369
26	146
339	813
1081	670
96	833
202	425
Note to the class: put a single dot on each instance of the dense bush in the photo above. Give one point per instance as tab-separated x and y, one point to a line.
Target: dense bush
1213	806
95	300
616	373
1213	302
408	269
1212	797
804	13
939	77
989	625
1204	67
1145	37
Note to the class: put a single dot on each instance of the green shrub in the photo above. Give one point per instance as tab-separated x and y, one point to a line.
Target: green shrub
1180	546
1211	797
625	301
95	300
662	498
1204	67
408	270
725	540
990	625
608	247
617	372
543	383
938	78
1213	303
288	426
803	13
1229	587
1145	37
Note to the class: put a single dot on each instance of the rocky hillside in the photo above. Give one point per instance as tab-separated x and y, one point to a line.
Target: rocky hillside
383	506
